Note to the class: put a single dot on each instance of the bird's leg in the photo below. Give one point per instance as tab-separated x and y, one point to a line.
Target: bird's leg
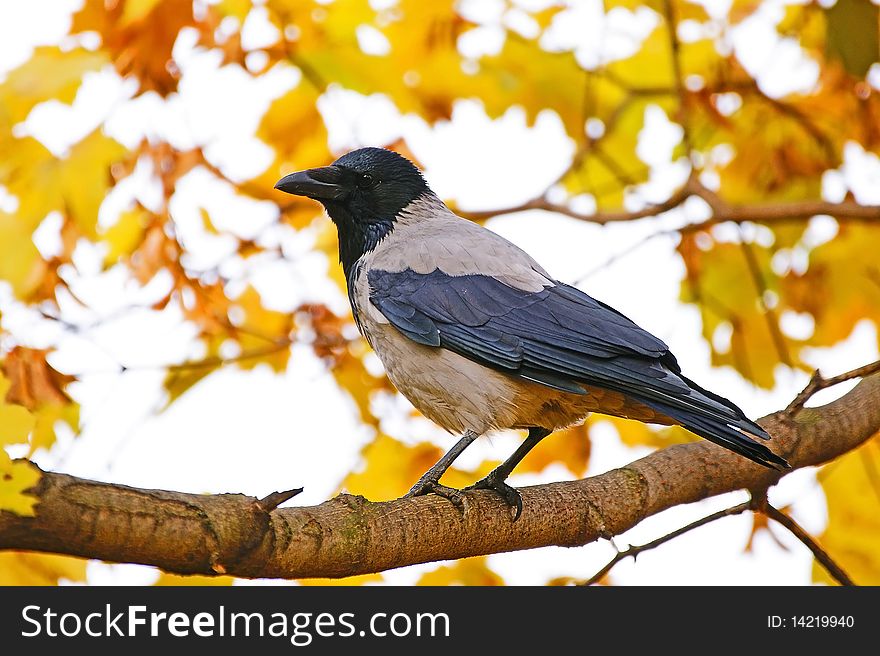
430	480
495	479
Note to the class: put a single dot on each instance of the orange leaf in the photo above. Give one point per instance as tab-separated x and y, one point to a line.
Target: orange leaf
33	381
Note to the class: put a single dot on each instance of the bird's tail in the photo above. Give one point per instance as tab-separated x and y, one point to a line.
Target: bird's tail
718	420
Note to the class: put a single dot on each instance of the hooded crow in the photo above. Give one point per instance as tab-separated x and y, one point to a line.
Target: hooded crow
479	337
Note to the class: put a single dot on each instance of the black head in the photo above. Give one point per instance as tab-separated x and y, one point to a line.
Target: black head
363	192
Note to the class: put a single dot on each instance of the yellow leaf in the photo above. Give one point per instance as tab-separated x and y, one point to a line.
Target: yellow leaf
135	10
237	8
699	58
690	10
720	281
75	185
207	224
422	73
124	236
651	65
544	17
23	568
181	378
260	330
839	287
33	399
467	571
562	581
805	23
294	128
852	537
569	446
16	421
352	376
49	74
804	137
361	579
526	75
610	163
637	433
21	264
327	242
741	9
392	468
345	360
85	179
166	579
15	478
16	424
299	212
47	417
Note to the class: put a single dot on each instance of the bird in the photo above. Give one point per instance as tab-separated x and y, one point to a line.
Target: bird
479	337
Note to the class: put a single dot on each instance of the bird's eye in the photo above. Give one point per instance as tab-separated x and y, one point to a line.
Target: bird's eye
366	181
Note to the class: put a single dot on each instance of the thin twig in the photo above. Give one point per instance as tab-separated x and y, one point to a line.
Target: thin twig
788	110
681	90
803	120
636	550
615	79
209	362
818	552
599	217
770	316
621	254
217	361
818	383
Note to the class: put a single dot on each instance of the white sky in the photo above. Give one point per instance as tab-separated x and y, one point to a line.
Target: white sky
255	432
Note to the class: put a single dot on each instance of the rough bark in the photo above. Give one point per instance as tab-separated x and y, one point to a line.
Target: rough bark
235	534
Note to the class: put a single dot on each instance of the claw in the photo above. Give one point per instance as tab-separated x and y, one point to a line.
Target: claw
429	486
508	493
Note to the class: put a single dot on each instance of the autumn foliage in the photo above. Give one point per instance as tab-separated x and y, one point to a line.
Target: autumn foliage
757	164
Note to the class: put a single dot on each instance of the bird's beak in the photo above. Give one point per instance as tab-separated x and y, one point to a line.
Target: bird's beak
324	183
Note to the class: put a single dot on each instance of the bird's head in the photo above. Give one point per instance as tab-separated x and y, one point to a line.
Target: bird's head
363	191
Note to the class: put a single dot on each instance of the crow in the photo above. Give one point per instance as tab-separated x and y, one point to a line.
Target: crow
479	337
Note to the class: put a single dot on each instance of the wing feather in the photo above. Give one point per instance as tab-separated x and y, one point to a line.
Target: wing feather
561	338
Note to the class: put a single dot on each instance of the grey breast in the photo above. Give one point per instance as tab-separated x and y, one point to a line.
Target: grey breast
451	390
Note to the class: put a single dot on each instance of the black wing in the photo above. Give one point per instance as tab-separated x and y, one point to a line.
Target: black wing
557	337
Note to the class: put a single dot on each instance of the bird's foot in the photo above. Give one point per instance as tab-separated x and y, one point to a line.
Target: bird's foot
510	495
430	486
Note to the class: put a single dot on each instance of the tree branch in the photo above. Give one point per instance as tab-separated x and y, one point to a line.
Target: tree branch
235	534
601	218
635	550
770	316
818	383
773	214
818	552
722	211
681	91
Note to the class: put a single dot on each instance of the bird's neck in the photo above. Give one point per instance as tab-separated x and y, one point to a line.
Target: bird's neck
357	236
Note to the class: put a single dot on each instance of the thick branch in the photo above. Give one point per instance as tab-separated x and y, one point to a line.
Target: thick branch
348	535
